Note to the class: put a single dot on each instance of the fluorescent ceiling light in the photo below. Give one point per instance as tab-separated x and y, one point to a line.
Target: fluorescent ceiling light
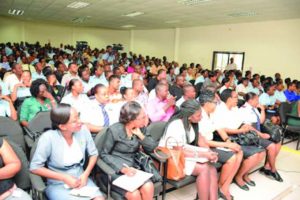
15	12
78	4
243	14
192	2
128	26
133	14
172	21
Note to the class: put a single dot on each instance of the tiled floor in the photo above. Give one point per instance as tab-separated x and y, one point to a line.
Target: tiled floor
288	164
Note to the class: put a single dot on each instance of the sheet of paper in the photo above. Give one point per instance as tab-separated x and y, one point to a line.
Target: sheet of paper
86	191
131	183
223	149
195	148
198	149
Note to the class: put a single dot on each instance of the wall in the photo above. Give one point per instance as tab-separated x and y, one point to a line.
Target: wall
16	31
269	46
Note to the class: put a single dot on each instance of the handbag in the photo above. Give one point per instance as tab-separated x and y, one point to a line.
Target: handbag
246	139
273	130
176	160
145	163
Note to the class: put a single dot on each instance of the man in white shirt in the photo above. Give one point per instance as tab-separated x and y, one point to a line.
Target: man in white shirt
231	65
140	95
38	72
108	57
72	73
98	77
84	74
14	78
188	93
254	87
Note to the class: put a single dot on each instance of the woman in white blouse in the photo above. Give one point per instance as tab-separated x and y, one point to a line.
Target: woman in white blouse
183	128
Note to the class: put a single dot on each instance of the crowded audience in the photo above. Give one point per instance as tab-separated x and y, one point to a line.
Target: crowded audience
87	90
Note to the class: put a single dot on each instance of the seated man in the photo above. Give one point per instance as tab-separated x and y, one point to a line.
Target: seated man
290	92
84	74
188	93
72	73
38	72
279	94
113	89
176	89
162	107
15	77
140	95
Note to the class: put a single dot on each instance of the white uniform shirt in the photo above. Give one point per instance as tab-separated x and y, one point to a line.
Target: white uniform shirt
225	118
248	115
241	88
180	101
206	125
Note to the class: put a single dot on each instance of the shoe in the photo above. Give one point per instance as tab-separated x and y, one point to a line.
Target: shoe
243	187
221	195
276	176
251	183
265	171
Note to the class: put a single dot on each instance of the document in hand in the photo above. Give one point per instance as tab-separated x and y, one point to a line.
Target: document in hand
131	183
86	191
199	150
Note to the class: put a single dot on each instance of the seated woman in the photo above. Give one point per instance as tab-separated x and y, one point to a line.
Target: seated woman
295	112
63	150
21	90
113	108
228	121
183	127
251	115
41	100
7	108
122	142
10	165
55	89
231	158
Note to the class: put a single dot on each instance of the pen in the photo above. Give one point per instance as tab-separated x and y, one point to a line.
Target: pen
125	165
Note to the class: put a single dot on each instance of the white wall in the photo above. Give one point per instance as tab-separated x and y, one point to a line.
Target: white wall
16	31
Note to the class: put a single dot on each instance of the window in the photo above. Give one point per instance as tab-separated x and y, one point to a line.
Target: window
222	60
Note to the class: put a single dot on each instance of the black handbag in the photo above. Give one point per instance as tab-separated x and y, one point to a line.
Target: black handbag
273	130
246	139
145	163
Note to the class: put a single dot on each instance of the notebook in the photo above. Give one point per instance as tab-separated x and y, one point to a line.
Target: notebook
131	183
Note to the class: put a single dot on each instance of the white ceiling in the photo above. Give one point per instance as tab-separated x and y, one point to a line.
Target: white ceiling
109	13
